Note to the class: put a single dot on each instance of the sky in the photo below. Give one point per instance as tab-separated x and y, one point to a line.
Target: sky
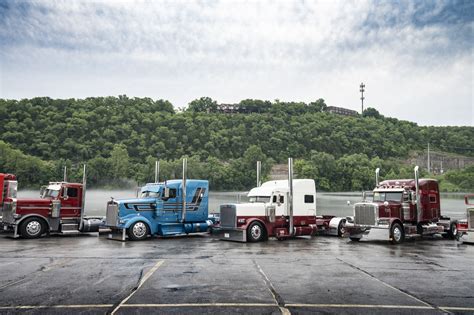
415	57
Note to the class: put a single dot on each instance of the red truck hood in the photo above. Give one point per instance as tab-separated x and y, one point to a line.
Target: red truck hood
28	202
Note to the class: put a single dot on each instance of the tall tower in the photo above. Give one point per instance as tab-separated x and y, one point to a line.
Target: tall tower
362	90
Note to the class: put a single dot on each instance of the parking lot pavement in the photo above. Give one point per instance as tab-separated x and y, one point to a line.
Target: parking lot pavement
180	275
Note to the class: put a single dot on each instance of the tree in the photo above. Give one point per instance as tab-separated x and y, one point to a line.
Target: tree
371	112
203	104
119	161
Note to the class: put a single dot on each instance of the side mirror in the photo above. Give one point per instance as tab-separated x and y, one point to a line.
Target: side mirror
166	193
64	195
413	197
42	191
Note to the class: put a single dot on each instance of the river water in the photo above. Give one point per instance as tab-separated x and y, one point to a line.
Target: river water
327	203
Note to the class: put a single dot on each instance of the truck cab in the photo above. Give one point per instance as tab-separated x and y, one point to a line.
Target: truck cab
466	226
400	208
159	210
267	214
59	209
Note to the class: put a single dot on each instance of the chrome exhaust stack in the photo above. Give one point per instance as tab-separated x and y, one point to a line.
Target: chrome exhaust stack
185	168
290	197
84	182
259	172
377	171
157	171
65	174
417	193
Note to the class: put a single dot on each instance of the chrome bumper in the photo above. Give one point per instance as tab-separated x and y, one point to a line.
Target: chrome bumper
230	234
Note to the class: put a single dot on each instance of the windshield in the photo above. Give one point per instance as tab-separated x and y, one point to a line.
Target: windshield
388	196
51	193
153	194
259	199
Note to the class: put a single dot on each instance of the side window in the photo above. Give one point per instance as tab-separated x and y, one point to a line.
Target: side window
274	199
282	199
198	195
72	192
308	199
432	198
172	192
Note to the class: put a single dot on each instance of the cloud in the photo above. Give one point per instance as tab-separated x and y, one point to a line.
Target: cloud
414	56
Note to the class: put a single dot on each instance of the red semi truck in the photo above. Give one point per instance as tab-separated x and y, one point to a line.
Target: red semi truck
60	209
400	208
281	209
466	227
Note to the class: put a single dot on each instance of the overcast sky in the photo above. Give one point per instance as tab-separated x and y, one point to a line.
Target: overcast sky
415	57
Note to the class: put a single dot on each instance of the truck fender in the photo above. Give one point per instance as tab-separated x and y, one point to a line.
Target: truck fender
34	215
250	221
334	226
143	219
334	222
395	220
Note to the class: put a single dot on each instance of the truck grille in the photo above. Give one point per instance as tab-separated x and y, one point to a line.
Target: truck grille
7	214
365	214
111	218
470	218
228	216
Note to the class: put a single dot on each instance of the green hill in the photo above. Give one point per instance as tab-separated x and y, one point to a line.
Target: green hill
121	137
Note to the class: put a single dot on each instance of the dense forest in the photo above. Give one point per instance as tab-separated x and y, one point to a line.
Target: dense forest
119	138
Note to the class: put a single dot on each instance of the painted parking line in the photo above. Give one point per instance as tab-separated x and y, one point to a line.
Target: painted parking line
427	305
29	307
142	281
203	305
278	299
315	306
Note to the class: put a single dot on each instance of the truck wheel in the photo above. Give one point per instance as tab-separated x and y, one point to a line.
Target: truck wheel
397	234
453	230
138	231
341	228
32	228
354	239
255	232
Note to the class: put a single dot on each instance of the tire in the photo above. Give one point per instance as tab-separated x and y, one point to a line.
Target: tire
138	231
32	228
453	230
341	228
397	234
255	232
354	239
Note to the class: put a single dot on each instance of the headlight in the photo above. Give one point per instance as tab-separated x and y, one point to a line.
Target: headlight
241	221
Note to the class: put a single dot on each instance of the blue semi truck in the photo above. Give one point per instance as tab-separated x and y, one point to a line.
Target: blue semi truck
159	210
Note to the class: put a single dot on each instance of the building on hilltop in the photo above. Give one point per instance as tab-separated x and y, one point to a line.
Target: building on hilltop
341	111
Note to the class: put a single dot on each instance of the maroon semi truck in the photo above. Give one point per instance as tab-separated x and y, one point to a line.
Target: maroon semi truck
59	209
401	208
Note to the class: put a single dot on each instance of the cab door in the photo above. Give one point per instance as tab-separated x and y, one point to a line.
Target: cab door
70	197
280	201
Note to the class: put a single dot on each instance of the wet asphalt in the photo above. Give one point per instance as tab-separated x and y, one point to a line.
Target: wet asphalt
88	274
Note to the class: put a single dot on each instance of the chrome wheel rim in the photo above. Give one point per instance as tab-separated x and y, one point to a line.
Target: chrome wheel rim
139	229
397	234
455	230
33	228
342	229
256	232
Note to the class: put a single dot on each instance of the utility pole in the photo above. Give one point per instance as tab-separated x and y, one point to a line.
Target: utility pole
429	163
362	90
